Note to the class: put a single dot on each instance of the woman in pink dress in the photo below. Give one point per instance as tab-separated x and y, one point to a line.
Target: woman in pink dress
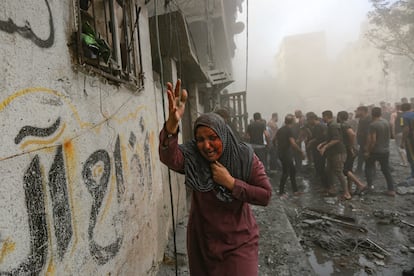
225	177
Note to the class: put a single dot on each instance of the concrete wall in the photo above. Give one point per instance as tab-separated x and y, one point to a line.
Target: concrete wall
82	191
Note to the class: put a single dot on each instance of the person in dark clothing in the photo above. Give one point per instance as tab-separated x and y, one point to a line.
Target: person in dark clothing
404	100
407	141
353	123
318	135
397	133
286	144
362	133
297	129
348	137
334	150
256	135
378	149
274	163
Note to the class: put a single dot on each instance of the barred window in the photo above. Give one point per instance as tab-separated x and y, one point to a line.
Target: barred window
108	39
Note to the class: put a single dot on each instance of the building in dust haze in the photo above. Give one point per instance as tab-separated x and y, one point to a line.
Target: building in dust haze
359	74
302	67
370	75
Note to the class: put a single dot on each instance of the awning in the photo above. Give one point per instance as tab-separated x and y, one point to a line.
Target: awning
175	42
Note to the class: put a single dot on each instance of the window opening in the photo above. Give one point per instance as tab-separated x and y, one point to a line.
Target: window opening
108	39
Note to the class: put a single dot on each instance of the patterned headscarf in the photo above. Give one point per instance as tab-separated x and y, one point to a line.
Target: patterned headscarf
236	157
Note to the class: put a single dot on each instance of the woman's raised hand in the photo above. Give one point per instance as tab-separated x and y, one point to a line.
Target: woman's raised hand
176	106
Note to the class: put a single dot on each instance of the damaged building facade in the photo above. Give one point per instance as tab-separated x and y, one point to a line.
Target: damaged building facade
82	189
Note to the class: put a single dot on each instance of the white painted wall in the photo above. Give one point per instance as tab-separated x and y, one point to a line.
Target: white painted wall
82	190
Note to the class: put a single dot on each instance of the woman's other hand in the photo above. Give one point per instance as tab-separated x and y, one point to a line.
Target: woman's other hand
176	106
221	175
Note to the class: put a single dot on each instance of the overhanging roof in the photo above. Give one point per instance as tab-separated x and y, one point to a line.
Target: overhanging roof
175	42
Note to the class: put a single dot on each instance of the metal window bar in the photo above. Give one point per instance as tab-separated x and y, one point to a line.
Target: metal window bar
127	26
237	102
107	14
115	36
131	45
138	52
106	28
115	69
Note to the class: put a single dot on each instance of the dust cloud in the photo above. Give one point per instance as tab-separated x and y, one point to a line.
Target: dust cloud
313	56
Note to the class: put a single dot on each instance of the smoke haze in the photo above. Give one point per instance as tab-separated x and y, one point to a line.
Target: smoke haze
309	55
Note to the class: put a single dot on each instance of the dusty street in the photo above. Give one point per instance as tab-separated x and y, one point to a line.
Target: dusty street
370	234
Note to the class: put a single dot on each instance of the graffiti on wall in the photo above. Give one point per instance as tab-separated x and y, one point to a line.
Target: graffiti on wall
97	171
26	31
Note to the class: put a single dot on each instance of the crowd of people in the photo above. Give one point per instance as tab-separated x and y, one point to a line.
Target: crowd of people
227	175
332	143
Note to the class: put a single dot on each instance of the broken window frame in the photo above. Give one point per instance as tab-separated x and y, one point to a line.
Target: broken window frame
124	64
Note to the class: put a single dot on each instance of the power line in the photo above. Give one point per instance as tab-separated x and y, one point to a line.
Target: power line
165	117
247	42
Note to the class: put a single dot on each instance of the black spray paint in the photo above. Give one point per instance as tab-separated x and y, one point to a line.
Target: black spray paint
26	31
118	170
36	131
60	202
97	190
35	203
62	218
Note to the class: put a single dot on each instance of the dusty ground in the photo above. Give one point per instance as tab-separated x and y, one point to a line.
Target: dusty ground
315	235
367	235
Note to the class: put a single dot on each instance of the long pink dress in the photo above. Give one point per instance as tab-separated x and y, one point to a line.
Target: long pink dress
222	237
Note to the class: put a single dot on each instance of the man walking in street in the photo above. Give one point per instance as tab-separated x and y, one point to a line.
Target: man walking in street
296	128
257	135
334	150
273	156
397	123
287	146
362	134
318	135
348	137
378	149
407	141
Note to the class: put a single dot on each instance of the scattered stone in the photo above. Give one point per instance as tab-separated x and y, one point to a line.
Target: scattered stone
369	270
327	223
385	214
380	263
402	190
411	249
406	183
313	221
330	200
404	249
384	221
269	260
365	263
379	256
